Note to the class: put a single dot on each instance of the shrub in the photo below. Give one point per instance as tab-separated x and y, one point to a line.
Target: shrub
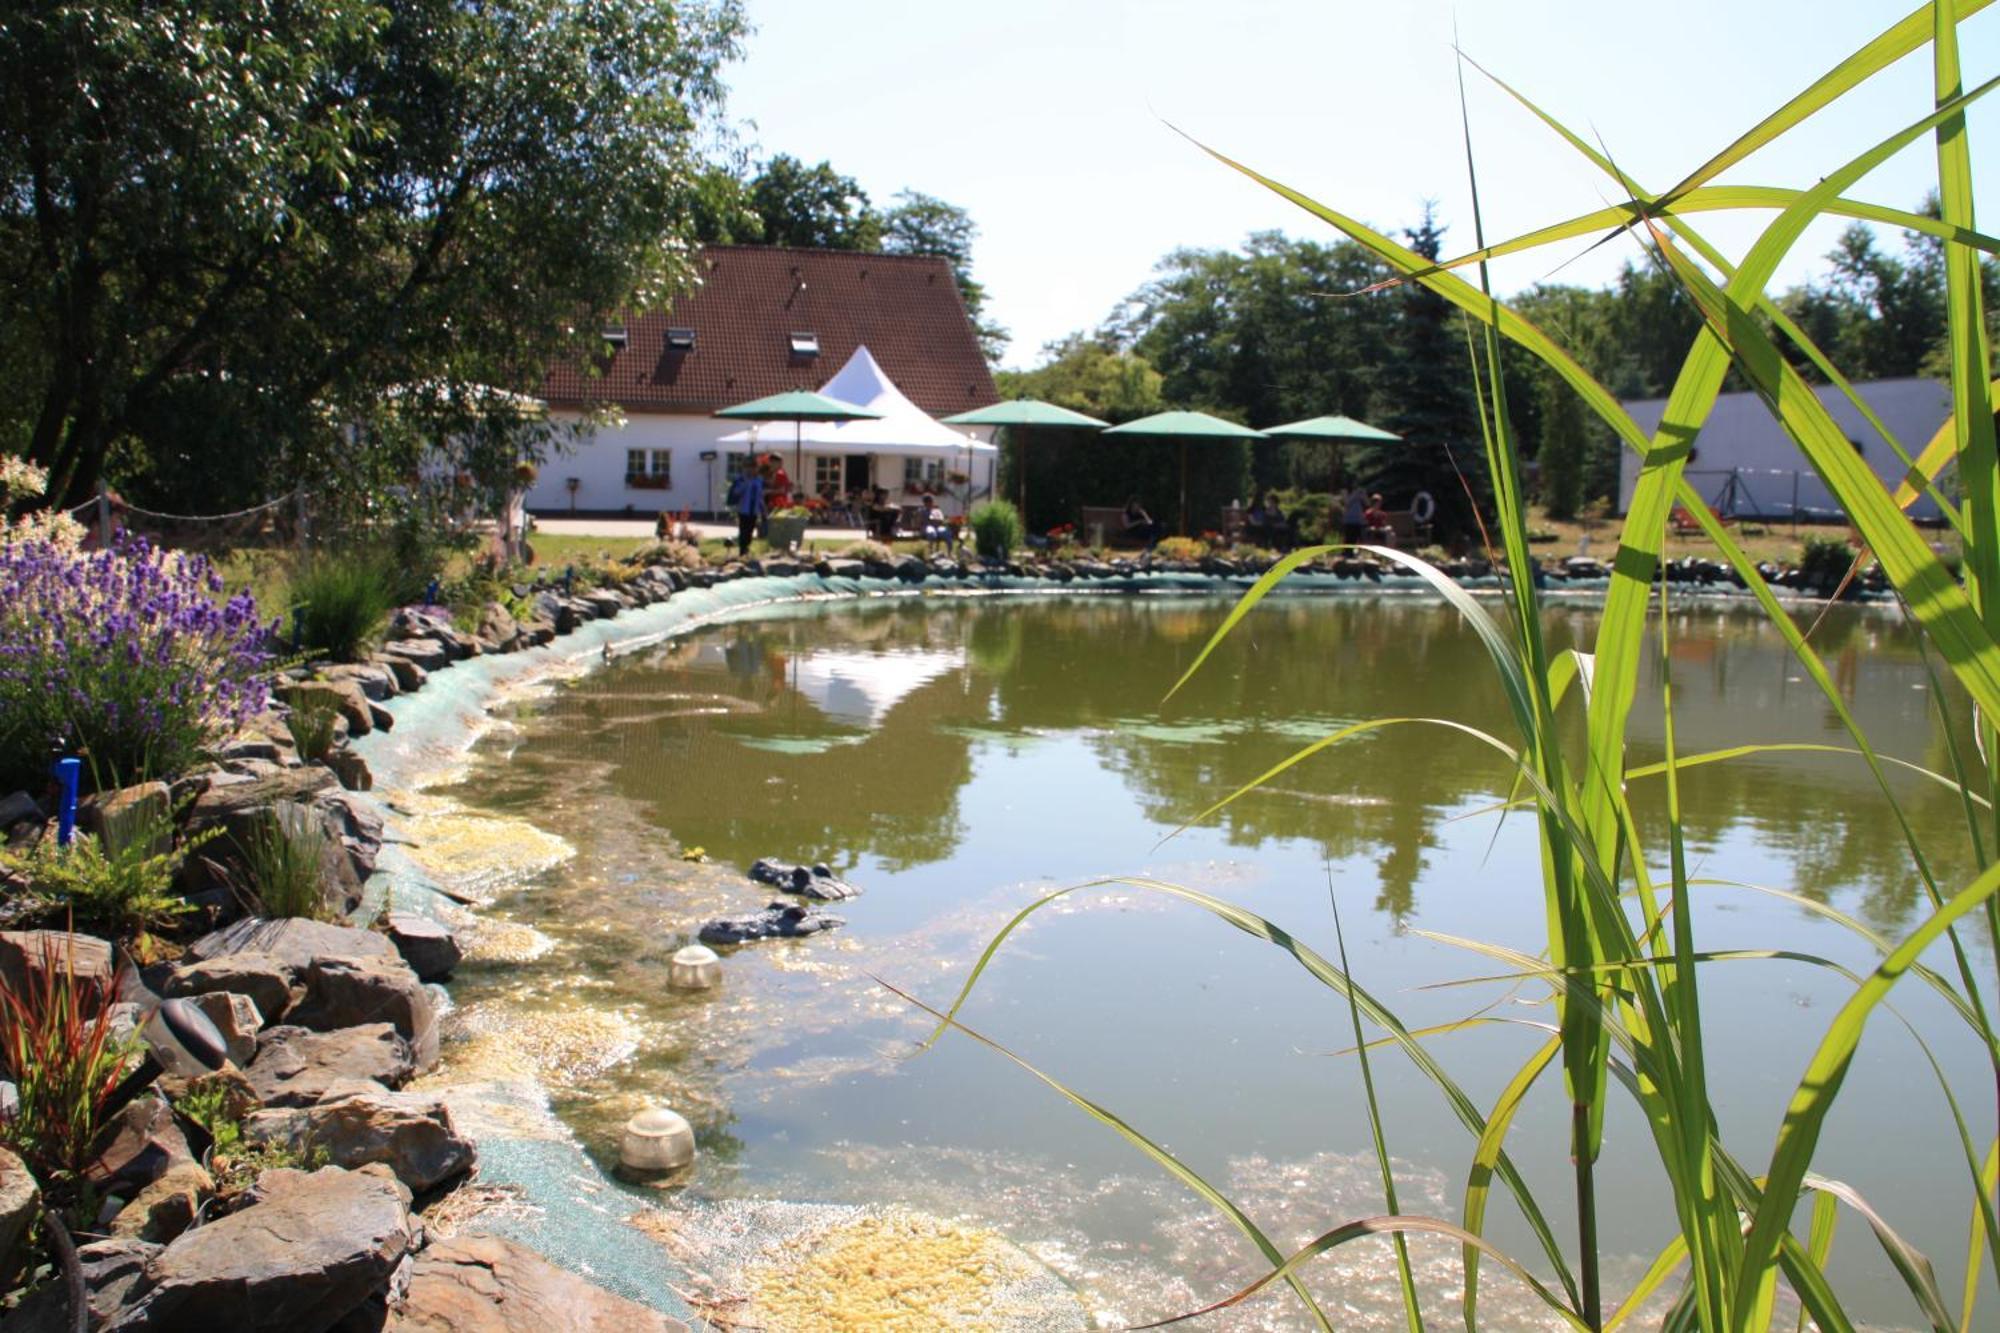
1180	548
282	861
342	600
312	722
997	529
120	884
128	654
673	554
57	1047
1824	563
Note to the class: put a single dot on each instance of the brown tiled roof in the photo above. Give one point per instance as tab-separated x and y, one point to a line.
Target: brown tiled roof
904	308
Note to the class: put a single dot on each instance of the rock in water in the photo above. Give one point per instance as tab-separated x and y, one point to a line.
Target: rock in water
779	921
464	1283
815	881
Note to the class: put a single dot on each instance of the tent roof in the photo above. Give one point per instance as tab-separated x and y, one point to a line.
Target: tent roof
900	427
1329	428
797	405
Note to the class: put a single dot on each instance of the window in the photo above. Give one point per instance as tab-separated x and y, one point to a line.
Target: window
805	344
921	472
737	464
648	470
829	472
617	336
680	340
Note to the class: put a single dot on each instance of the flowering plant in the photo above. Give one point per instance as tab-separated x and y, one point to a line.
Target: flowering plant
21	480
1061	531
130	655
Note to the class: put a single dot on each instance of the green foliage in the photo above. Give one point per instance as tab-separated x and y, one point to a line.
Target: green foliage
1180	548
342	599
1561	452
338	198
866	550
57	1048
997	529
281	865
814	208
312	722
218	1108
120	884
923	224
675	555
1825	562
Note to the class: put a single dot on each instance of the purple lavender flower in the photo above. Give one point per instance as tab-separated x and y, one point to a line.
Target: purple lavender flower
125	653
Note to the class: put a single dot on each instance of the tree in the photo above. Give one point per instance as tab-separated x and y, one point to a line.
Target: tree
1562	448
923	224
244	219
815	208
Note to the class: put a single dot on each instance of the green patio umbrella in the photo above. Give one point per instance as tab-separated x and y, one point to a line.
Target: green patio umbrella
1333	430
1026	414
1185	426
798	406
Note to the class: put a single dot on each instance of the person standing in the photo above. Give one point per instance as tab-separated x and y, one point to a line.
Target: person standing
746	497
1354	523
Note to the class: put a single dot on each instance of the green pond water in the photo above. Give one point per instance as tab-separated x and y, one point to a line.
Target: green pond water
959	758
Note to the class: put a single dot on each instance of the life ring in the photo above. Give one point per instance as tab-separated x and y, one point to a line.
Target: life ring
1422	507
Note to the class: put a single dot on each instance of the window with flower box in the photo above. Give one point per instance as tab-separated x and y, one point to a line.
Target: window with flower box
649	470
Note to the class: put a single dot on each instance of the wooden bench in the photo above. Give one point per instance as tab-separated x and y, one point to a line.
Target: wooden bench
1405	533
1104	527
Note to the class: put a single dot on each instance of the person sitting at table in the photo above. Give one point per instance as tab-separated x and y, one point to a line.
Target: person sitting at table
1139	525
1376	519
883	516
1266	524
937	532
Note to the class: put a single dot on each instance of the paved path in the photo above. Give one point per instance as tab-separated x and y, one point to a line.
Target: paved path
641	529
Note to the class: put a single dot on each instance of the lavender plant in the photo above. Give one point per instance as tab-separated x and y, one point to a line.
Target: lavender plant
131	655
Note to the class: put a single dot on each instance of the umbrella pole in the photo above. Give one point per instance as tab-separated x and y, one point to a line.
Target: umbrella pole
1184	521
798	453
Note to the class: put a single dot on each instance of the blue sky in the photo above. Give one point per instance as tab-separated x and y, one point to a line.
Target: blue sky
1048	119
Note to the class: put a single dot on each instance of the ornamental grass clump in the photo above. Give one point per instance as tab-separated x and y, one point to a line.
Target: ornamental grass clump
342	601
58	1049
997	529
1621	975
131	655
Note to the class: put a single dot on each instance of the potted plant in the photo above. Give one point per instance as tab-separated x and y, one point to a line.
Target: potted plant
786	527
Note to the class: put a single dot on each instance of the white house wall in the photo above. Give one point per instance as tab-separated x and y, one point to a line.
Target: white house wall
1746	465
597	468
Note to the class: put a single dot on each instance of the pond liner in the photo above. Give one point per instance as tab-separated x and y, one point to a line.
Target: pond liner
571	1210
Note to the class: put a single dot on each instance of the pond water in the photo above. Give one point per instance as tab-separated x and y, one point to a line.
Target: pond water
959	758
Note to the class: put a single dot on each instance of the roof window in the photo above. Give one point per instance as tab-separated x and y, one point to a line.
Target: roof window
616	335
805	344
680	340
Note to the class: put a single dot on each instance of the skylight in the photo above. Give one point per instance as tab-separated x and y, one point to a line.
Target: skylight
805	344
680	340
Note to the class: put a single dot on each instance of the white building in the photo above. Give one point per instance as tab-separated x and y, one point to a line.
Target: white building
764	320
1745	465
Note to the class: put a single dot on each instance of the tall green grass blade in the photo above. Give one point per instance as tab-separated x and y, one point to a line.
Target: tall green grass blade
1412	1313
1173	1165
1979	1236
1485	1153
1909	1262
1664	1265
1799	1134
1819	1236
1327	974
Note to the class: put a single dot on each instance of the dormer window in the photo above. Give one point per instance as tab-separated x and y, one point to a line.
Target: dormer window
680	340
805	344
617	336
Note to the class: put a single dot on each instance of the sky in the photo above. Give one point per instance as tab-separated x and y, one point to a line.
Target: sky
1053	122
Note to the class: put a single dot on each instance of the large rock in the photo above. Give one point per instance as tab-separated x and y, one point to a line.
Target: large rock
350	768
165	1208
413	1135
262	979
481	1284
425	944
816	881
129	816
136	1146
310	1249
297	1067
356	823
427	655
26	953
410	677
780	920
20	1205
347	992
345	697
374	680
113	1271
293	941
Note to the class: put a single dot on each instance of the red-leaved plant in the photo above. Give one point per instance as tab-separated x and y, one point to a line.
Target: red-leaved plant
57	1045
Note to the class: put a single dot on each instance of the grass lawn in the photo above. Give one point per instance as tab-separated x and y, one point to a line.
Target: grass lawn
1764	541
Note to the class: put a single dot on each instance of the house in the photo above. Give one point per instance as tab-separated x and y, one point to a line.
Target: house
1745	465
764	320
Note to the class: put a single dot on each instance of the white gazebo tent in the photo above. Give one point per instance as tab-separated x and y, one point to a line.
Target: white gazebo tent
901	430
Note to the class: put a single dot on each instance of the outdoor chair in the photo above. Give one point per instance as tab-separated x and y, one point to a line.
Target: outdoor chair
1100	526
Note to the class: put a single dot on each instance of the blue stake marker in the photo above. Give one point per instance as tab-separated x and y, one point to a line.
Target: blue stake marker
431	594
69	772
569	572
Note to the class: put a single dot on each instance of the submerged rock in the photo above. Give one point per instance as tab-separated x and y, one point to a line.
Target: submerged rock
474	1282
816	881
779	921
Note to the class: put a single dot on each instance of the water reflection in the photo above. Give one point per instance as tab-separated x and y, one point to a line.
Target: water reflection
834	735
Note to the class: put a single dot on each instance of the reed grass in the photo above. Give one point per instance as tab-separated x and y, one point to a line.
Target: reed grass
1622	967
